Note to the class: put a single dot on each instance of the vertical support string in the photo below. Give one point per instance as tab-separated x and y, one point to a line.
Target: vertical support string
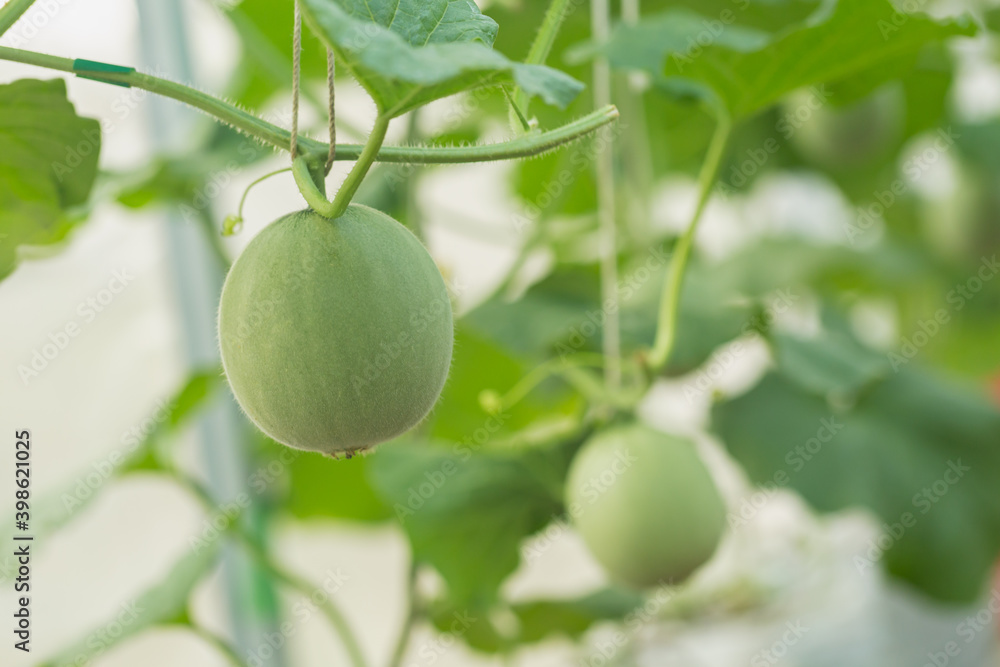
331	71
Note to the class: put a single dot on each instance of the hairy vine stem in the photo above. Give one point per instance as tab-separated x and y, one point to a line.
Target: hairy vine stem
361	167
666	329
522	147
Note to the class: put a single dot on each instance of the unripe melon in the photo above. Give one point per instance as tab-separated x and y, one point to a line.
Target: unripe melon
645	504
335	334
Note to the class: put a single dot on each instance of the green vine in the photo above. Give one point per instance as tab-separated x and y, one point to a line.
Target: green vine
666	330
522	147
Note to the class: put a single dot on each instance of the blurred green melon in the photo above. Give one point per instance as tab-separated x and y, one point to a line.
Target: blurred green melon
335	334
645	505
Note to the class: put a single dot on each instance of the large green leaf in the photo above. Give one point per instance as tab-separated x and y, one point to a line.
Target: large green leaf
842	39
562	313
407	53
832	363
48	162
646	45
465	510
922	454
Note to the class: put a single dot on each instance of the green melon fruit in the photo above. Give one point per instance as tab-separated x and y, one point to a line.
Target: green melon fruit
335	334
645	505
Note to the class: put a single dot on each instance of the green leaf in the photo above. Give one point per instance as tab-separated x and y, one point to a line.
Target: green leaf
921	453
320	487
466	511
473	623
480	365
48	163
562	313
542	618
832	363
163	602
407	53
647	45
842	39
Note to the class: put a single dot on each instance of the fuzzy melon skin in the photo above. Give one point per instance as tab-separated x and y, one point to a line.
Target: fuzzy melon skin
336	335
645	505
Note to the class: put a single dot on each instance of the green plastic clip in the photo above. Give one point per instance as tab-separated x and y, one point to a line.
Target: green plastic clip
91	69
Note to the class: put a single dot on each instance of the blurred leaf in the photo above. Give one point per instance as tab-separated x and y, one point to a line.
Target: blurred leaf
842	39
922	454
193	179
647	45
546	314
53	509
320	487
792	264
562	313
571	618
466	511
407	53
991	17
165	601
981	143
48	163
479	365
832	363
471	623
265	68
